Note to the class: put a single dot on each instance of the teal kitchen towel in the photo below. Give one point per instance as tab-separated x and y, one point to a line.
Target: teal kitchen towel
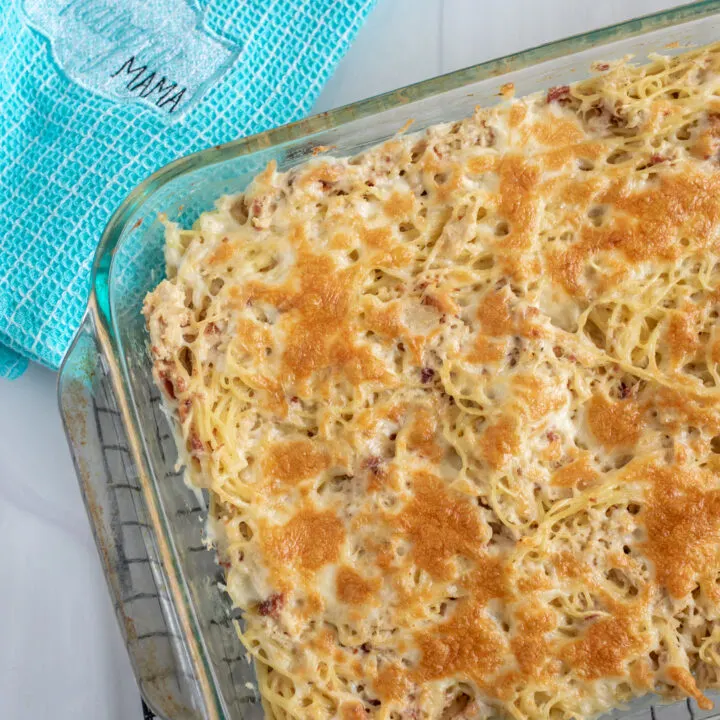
97	94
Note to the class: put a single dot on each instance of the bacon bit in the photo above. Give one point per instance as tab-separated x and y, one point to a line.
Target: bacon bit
169	388
366	647
325	185
257	207
373	464
392	436
601	66
272	606
374	702
196	443
592	616
552	436
294	399
184	409
625	391
558	93
401	347
656	159
224	564
427	374
165	373
211	329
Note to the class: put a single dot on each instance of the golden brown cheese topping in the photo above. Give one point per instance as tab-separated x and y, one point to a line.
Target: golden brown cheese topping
439	526
352	588
682	518
294	460
468	645
456	403
500	441
614	423
310	540
577	473
605	647
530	644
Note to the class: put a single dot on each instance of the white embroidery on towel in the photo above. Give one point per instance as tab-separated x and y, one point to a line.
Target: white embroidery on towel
153	52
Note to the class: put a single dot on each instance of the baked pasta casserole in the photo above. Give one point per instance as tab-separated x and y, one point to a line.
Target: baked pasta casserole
455	401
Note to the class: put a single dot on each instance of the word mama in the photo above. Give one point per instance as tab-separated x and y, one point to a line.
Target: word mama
146	83
157	54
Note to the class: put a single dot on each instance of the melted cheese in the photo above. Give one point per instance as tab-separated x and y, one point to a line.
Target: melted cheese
456	401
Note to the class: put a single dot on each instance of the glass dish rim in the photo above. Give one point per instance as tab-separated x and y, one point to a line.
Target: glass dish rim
106	323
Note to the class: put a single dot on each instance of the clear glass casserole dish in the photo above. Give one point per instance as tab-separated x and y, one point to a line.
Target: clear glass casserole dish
177	624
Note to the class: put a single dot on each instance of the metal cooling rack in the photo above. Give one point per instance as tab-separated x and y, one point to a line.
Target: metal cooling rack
127	545
126	541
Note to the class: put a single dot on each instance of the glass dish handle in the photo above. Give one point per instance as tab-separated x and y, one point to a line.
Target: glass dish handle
117	512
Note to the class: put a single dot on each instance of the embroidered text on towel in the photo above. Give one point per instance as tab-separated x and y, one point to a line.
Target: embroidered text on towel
158	54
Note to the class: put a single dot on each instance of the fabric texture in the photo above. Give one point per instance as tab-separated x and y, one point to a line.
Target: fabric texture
69	155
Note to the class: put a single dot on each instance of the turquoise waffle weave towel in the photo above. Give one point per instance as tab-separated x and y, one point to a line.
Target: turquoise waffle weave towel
97	94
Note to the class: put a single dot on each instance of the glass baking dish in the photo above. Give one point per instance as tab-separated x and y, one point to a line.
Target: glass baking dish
148	525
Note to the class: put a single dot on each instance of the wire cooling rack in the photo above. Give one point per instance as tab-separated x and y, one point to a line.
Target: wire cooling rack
136	579
159	650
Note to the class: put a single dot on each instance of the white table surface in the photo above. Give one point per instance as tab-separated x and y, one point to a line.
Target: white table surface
61	655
